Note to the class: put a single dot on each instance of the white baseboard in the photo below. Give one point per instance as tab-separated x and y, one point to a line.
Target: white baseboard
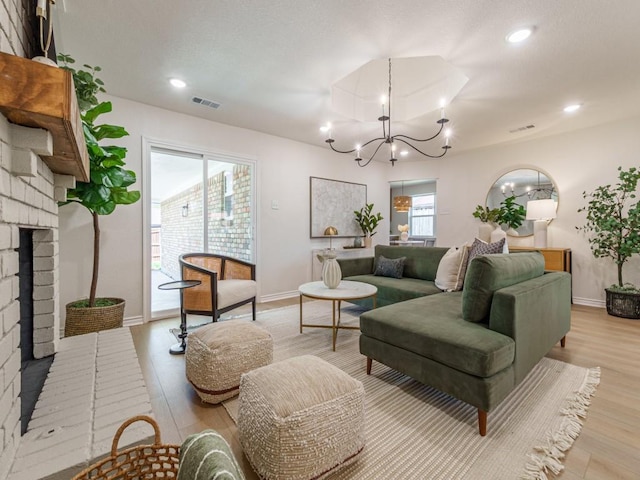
589	302
278	296
130	321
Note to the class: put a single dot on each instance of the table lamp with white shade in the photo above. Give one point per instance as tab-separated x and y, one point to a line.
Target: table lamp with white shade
541	211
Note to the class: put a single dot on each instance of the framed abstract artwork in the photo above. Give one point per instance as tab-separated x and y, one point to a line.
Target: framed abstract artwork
333	203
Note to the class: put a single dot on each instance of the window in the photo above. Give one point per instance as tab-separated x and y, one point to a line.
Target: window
422	214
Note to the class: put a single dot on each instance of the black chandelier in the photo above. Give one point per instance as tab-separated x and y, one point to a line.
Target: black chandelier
387	138
533	193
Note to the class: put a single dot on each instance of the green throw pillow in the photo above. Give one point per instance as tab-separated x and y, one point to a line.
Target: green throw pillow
390	267
207	456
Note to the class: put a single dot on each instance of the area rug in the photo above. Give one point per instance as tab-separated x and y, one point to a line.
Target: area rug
416	432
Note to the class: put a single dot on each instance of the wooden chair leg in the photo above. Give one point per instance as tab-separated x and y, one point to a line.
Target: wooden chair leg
482	422
563	341
369	362
253	309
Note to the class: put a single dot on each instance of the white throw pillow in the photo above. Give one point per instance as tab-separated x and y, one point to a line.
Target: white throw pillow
451	269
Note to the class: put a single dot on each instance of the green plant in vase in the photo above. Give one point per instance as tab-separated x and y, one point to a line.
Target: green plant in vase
368	221
512	214
613	230
489	218
109	181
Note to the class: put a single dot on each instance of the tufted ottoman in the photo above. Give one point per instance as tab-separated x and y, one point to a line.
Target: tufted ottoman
218	353
300	418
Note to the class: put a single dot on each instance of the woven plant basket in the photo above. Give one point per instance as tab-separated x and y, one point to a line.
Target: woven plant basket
141	462
623	304
81	320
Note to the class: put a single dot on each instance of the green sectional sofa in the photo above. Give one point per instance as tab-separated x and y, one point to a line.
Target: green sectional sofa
477	344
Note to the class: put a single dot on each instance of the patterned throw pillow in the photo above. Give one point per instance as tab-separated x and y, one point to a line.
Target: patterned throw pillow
390	267
478	247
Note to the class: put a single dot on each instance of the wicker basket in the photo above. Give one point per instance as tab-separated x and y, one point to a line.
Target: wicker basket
623	304
140	462
81	320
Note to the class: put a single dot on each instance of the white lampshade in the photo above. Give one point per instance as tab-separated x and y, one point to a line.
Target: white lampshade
541	209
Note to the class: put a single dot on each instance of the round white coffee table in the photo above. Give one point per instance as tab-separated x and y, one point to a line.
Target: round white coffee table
346	290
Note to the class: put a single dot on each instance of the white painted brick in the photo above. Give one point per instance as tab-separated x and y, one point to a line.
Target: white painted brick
15	239
15	286
10	316
60	194
24	163
61	397
66	181
30	195
120	397
44	292
17	186
116	419
43	410
43	306
6	344
12	368
45	235
9	262
6	402
5	237
6	458
16	337
44	350
10	210
43	335
6	294
13	420
45	264
5	184
134	376
45	320
38	140
45	249
43	278
105	393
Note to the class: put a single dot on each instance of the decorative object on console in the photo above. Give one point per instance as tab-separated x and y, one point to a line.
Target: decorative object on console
331	273
404	232
402	203
420	83
612	227
368	222
489	218
541	211
511	214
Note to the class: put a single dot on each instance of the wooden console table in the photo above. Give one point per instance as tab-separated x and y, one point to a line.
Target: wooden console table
558	259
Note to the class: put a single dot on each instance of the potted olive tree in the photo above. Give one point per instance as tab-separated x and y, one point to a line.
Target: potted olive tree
613	230
368	222
106	188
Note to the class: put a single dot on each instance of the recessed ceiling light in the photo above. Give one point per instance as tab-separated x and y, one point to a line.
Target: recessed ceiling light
572	108
519	35
176	82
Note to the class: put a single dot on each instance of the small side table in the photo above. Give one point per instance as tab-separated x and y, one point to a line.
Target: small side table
180	347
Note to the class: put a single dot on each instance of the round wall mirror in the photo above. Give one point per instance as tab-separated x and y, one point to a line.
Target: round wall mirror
521	186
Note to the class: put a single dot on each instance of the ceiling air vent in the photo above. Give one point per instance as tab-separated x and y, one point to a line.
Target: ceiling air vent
522	129
206	103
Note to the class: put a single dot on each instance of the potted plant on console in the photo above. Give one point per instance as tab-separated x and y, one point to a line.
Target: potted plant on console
107	188
368	222
613	228
489	217
512	214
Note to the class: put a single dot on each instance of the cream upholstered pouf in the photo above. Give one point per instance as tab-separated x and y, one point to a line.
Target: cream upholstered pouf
300	418
218	353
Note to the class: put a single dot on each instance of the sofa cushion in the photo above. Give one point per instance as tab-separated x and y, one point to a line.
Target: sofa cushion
433	327
480	247
421	262
389	267
488	273
451	270
393	290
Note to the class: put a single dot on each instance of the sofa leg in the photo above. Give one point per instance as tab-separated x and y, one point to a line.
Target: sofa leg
563	341
369	362
482	422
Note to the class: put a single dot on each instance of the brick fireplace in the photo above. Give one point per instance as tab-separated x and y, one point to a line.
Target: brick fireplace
27	201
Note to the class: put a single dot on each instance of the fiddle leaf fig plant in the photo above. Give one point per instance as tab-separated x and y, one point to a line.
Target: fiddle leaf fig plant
367	220
109	181
613	222
511	213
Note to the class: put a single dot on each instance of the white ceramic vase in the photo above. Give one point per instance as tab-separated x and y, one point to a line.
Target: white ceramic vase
331	273
484	232
497	234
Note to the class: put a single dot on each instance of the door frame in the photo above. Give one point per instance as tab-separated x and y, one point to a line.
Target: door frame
208	154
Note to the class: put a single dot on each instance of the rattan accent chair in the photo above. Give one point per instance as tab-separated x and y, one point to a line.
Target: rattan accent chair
226	284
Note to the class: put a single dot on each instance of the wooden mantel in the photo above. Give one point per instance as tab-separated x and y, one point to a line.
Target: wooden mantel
36	95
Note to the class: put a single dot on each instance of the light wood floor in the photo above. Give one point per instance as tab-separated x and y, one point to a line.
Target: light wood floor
607	448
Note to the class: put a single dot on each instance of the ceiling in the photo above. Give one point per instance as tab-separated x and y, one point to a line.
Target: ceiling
271	64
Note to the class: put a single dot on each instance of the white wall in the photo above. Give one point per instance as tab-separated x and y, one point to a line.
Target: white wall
577	162
283	171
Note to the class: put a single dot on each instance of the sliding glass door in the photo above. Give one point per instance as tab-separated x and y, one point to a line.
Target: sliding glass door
199	203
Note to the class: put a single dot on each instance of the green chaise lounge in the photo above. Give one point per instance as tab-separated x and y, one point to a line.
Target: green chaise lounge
478	344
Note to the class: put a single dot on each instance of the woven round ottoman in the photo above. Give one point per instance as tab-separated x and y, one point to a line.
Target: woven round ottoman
219	353
300	418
